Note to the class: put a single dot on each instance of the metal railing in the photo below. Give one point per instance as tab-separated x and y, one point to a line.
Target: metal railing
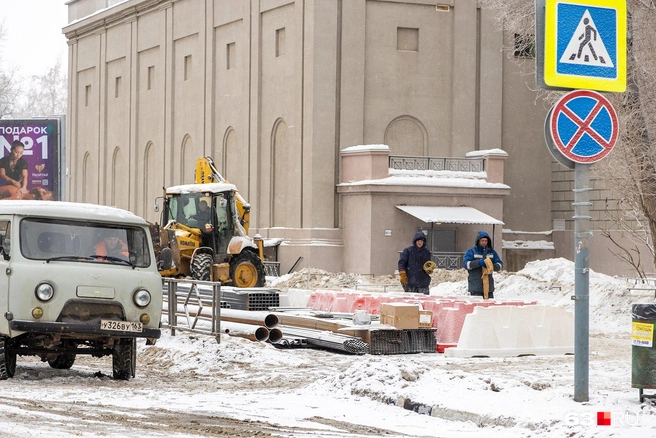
437	163
447	260
640	285
187	305
272	269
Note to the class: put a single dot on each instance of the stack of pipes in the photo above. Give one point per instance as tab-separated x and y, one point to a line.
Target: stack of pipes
329	340
256	326
262	326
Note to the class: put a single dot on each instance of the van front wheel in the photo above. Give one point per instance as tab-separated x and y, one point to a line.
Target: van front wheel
7	360
124	358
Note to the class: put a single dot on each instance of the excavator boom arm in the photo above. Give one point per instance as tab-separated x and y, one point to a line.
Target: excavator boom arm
206	172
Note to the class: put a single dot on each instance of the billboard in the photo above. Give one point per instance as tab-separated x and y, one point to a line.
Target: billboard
42	140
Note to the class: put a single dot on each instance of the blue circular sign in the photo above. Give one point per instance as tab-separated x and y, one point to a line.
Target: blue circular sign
584	126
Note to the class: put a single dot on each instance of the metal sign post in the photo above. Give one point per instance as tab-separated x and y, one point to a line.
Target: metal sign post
581	44
581	129
581	296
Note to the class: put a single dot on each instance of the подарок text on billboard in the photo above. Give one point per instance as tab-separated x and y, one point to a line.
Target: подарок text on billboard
40	138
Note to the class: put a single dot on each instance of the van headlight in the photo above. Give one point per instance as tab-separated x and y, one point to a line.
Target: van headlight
44	292
141	298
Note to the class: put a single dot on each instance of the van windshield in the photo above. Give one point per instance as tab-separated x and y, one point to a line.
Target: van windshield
78	241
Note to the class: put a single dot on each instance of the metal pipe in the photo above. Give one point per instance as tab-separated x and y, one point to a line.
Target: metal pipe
294	265
173	293
248	331
216	307
269	320
332	341
275	335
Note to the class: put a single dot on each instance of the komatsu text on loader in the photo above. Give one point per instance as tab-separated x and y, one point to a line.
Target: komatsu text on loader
205	235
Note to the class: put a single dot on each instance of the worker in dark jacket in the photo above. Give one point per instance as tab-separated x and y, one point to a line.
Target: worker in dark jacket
412	274
481	261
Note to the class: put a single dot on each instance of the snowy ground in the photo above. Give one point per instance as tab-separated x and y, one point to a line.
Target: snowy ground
189	385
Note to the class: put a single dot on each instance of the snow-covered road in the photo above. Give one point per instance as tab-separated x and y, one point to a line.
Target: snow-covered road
191	386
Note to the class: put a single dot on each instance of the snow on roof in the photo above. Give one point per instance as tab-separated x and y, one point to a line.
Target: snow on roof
424	180
69	210
201	188
431	178
527	244
487	152
509	231
365	147
449	215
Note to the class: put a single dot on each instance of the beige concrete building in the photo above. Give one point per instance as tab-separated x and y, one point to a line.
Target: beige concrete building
275	90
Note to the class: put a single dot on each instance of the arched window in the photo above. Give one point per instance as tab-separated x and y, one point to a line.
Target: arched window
406	135
86	169
118	195
187	162
286	195
149	182
235	162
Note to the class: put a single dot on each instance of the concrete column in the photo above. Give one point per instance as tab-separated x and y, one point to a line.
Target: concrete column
208	140
463	128
171	157
319	109
255	141
104	166
491	83
351	110
361	163
133	68
494	163
72	159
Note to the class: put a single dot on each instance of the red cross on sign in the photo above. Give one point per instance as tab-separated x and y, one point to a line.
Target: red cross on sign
584	126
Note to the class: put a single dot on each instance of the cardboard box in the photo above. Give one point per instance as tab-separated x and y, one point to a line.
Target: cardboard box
400	315
425	319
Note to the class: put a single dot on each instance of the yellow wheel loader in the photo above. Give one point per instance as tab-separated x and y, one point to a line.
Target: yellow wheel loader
204	236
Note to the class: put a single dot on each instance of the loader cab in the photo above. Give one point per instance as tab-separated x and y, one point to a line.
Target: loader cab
210	212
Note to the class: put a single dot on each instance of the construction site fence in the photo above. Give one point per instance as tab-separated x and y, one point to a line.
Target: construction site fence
191	309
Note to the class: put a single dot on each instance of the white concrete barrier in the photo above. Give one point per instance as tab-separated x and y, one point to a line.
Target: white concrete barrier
298	297
504	331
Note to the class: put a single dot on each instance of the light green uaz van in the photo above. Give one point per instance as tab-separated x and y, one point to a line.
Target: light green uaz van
75	279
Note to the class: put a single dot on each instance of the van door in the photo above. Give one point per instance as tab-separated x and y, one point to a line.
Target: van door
5	249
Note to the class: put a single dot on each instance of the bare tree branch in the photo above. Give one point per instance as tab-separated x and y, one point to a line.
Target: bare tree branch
45	94
629	172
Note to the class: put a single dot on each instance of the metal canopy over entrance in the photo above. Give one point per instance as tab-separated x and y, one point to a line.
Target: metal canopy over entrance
451	259
449	215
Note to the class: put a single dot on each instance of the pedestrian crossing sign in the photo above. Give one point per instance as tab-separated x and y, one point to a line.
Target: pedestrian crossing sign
585	44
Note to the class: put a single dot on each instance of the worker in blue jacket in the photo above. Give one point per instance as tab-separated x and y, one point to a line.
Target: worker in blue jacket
413	275
480	261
